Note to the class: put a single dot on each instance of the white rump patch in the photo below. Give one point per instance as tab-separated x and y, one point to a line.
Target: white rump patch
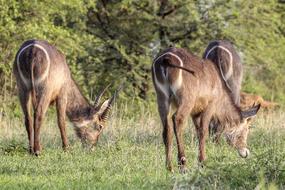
230	71
177	84
44	75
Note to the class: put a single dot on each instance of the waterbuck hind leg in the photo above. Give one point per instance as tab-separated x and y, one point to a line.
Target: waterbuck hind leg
218	133
25	100
178	124
215	131
39	114
167	133
168	142
61	109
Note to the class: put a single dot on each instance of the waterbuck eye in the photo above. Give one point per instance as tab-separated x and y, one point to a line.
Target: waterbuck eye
100	127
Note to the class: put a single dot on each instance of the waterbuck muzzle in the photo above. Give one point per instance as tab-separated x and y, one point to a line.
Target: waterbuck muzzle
240	137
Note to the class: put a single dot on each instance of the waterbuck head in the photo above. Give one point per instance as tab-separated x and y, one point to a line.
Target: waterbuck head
237	136
89	127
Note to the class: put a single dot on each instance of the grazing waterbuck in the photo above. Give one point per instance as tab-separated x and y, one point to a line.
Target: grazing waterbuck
200	93
226	58
224	55
43	77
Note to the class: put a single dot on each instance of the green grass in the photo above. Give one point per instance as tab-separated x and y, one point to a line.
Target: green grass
130	155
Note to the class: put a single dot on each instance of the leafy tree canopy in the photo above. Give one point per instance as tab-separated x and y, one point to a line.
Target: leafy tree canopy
114	40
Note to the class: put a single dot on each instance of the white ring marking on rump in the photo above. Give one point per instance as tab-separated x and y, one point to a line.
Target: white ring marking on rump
178	82
44	75
230	71
161	86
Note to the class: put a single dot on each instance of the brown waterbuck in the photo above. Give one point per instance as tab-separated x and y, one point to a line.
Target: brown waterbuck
226	58
224	55
246	100
43	77
200	93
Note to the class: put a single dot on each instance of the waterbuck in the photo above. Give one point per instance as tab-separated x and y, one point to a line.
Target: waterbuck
246	100
224	55
226	58
201	93
43	77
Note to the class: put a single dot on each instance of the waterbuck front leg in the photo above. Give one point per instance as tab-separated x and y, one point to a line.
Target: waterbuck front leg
202	131
39	114
61	115
178	124
25	98
218	133
167	133
197	120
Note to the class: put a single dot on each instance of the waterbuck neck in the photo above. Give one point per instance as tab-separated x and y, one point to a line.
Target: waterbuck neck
228	113
77	104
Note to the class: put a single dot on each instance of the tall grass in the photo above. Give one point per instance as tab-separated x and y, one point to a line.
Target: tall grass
130	155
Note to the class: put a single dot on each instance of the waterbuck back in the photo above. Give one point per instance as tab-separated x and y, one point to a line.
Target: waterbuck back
43	77
224	55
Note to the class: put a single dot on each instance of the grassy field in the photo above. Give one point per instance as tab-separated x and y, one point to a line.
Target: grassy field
130	155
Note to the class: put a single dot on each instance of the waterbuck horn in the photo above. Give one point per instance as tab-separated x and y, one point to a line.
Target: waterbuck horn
97	100
104	115
250	112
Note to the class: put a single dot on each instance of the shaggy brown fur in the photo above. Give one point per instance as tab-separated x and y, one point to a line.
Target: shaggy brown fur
203	95
228	62
224	55
43	77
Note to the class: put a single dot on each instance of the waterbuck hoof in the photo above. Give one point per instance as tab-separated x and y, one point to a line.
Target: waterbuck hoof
201	165
182	165
65	148
183	169
170	168
31	150
244	152
37	153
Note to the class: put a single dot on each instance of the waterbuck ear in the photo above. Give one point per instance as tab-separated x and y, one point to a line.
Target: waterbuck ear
103	107
250	112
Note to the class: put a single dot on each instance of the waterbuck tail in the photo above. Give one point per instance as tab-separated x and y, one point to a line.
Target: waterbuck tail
34	95
169	64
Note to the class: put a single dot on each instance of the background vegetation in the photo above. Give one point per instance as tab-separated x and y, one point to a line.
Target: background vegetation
112	40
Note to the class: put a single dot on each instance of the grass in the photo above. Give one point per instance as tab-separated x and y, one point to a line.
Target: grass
130	155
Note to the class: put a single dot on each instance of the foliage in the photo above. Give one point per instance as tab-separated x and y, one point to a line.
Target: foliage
112	41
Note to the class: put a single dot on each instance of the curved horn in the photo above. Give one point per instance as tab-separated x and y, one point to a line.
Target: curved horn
104	115
97	100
